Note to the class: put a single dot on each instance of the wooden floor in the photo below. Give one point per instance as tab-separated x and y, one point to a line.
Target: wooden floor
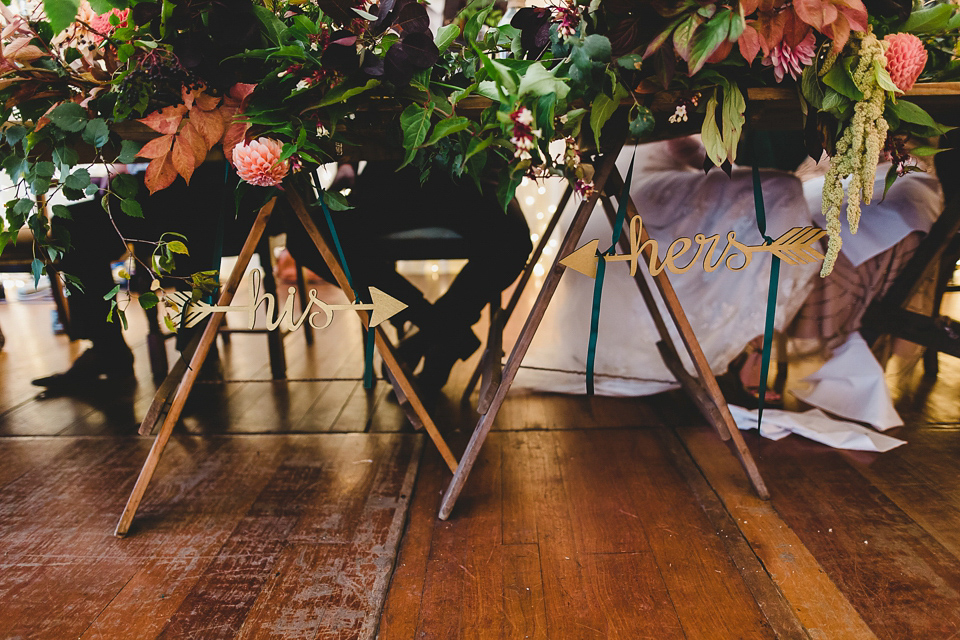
307	509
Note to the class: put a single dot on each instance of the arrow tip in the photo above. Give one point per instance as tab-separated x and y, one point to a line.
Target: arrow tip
384	306
584	259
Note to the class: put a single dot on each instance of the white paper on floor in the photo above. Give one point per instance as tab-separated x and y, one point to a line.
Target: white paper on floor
851	385
815	425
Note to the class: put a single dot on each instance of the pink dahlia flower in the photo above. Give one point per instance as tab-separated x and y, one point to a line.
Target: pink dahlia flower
257	162
906	58
786	60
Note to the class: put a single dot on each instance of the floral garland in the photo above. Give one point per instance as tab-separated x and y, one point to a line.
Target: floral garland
283	86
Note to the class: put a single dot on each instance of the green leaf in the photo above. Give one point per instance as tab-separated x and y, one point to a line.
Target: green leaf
125	51
539	82
103	6
132	208
125	185
643	123
65	157
128	151
631	61
415	123
96	133
883	78
272	25
683	37
840	80
79	179
603	108
446	35
23	206
889	180
708	40
929	19
710	133
923	152
447	127
178	247
69	116
36	268
909	112
475	146
336	201
734	107
344	92
61	13
61	211
148	300
597	47
14	134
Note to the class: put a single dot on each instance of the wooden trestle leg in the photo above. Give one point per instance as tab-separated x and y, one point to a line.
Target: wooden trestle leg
398	376
705	391
190	375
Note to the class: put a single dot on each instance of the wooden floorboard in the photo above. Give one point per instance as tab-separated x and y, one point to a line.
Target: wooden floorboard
302	509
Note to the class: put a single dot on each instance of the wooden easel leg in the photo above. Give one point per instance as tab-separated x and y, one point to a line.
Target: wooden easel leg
706	377
504	316
190	376
383	344
550	284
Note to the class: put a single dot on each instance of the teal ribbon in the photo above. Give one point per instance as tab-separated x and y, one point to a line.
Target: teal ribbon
369	333
771	291
598	282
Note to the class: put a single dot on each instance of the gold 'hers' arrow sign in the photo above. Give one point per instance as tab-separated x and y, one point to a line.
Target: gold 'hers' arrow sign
189	313
793	247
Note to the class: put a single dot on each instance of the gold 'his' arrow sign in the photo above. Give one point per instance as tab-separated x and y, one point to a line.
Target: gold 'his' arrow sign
383	307
793	247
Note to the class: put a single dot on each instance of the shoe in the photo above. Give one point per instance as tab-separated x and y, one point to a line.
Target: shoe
440	356
94	367
744	374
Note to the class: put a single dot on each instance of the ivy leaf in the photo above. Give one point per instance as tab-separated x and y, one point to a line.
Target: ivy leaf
15	134
69	116
96	132
447	127
415	123
132	208
125	185
128	151
23	206
61	13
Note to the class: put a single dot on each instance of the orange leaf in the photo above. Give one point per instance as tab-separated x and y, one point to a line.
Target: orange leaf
160	174
183	159
749	43
167	120
207	102
156	147
208	123
234	136
198	146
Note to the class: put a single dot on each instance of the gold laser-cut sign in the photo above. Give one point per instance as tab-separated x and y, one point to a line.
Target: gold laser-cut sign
383	307
793	247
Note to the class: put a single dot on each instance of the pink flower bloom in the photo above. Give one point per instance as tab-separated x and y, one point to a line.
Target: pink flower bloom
786	60
101	23
257	162
906	58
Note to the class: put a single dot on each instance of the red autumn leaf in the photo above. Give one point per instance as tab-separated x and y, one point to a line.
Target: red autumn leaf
208	123
793	30
184	160
156	147
197	144
749	43
721	52
749	6
160	173
167	120
240	92
206	101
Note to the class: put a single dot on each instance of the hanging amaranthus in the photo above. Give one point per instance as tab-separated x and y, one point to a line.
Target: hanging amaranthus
858	150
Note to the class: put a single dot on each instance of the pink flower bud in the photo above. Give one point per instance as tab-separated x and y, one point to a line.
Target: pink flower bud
906	58
257	162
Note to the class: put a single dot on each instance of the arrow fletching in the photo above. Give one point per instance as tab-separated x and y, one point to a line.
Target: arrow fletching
795	246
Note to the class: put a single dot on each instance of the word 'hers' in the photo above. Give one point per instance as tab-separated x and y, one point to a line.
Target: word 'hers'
793	247
189	313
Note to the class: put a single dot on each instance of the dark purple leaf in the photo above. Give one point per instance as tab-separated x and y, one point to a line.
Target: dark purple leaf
384	19
340	10
412	18
414	52
534	25
343	38
372	66
144	12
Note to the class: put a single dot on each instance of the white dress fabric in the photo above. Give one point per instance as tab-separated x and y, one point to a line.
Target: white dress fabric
726	308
